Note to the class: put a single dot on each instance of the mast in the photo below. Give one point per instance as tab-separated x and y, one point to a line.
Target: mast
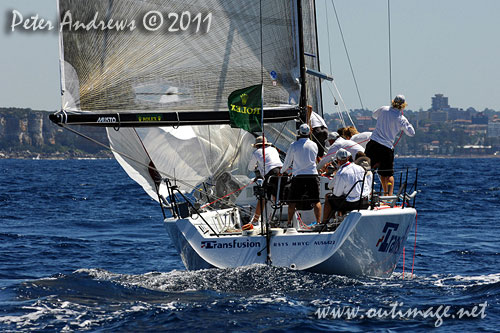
303	90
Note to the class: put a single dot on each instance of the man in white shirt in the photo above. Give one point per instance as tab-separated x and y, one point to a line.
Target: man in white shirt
319	130
301	156
340	143
332	136
270	170
350	187
380	149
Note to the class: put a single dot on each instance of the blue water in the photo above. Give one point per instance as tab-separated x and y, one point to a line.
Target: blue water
82	247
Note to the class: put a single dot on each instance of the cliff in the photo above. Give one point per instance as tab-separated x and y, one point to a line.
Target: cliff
25	133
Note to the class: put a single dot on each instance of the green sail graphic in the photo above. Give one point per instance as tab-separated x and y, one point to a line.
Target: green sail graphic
245	108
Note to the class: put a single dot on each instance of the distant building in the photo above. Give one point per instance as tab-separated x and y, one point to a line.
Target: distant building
440	102
494	129
365	123
479	119
455	114
438	116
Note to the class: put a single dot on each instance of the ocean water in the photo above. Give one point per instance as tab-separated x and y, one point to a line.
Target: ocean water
82	248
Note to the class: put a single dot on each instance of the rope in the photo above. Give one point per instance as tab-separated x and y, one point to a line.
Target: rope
219	199
403	263
390	52
400	136
414	246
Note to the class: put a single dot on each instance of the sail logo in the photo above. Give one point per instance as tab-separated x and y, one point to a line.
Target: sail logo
244	98
229	245
106	120
389	242
244	109
149	118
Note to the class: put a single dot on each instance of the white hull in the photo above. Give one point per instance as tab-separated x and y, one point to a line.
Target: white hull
368	243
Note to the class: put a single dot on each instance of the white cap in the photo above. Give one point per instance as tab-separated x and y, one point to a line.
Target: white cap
333	136
342	154
304	129
399	99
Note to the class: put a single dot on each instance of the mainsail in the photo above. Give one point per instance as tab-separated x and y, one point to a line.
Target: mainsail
184	71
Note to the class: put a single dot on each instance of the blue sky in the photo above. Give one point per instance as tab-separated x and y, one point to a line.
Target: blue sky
438	46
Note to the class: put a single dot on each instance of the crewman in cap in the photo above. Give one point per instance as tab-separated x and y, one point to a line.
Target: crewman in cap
351	146
301	157
270	170
380	148
332	136
319	130
350	188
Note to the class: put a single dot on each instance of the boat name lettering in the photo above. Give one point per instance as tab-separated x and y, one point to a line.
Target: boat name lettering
322	242
244	109
389	242
106	120
156	117
325	242
228	245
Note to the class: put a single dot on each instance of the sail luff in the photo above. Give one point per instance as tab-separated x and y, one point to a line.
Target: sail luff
303	80
320	102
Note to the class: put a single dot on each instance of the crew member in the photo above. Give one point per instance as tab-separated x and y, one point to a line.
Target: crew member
301	156
270	169
319	130
352	147
380	148
350	187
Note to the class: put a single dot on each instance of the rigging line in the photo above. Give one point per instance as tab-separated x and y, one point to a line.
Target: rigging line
280	133
390	51
347	53
237	151
261	52
343	103
414	246
339	110
219	199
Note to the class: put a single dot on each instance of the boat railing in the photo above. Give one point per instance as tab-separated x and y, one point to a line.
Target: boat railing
180	209
406	195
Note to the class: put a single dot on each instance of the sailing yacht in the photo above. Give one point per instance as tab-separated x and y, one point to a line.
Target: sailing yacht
162	93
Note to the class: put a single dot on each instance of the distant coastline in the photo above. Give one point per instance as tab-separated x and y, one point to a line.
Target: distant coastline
77	155
103	155
449	156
